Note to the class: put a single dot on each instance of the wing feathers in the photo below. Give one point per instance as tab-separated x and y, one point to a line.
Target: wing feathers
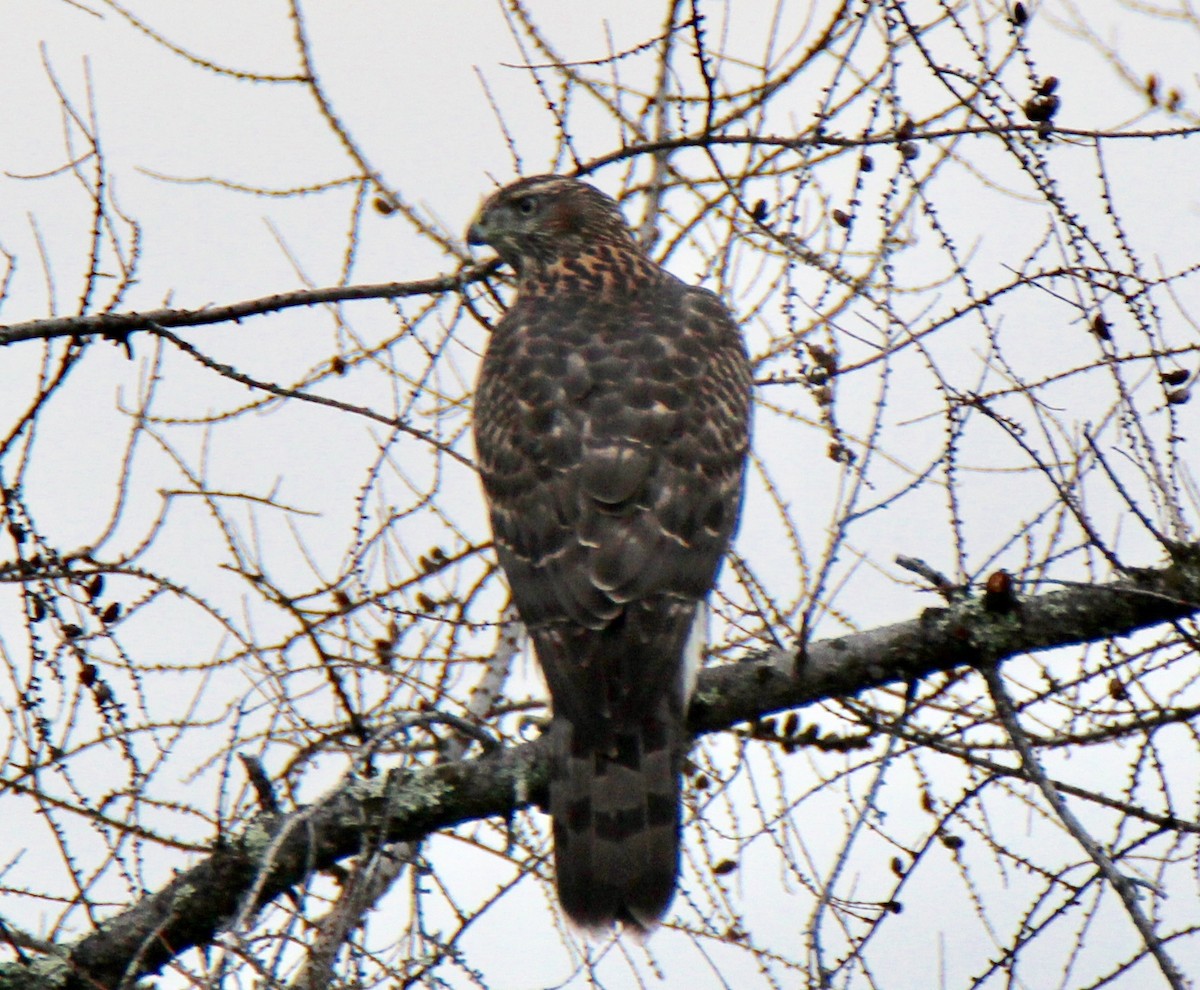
614	473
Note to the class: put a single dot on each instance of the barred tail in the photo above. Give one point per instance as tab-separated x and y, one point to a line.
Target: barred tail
616	801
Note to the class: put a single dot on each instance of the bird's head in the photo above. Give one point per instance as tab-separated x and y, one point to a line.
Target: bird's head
544	218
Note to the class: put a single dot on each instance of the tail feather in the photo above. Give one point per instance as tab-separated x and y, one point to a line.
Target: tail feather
616	808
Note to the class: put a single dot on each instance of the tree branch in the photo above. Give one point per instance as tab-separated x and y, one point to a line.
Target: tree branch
1123	885
277	852
118	325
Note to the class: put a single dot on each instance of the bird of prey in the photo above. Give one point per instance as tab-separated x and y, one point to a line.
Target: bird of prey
611	424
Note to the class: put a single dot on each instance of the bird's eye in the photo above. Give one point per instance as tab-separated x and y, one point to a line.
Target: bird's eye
526	205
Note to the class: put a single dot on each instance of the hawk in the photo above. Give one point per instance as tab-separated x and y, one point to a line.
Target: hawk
611	423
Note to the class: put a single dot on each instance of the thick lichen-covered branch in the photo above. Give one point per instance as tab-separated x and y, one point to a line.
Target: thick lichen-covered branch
277	852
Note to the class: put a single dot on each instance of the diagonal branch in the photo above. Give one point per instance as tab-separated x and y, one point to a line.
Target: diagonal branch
1123	885
277	852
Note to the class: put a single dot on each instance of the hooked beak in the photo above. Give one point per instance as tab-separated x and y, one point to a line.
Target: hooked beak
477	234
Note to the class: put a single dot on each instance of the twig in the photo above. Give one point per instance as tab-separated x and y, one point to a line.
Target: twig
937	580
322	400
263	788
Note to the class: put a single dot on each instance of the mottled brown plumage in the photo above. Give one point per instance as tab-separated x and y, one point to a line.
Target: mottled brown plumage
612	427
